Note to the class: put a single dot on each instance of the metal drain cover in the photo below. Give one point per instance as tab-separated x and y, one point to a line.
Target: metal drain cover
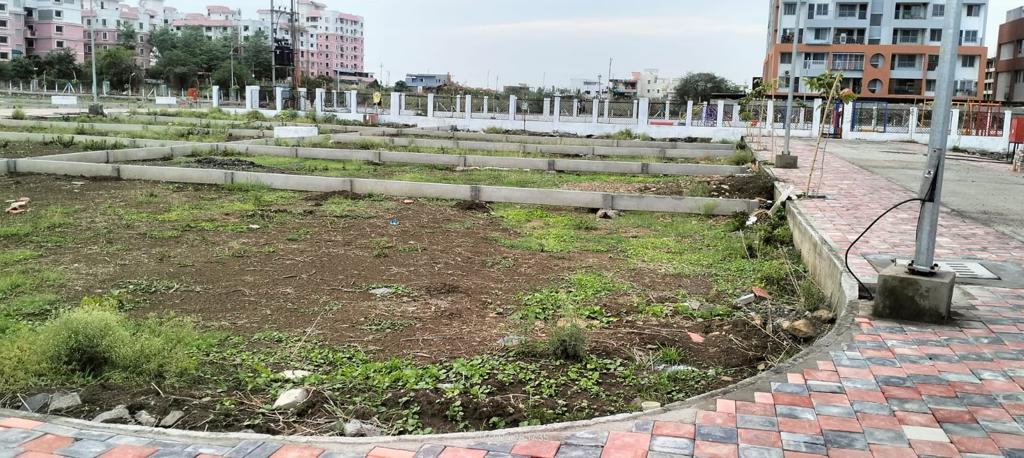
963	269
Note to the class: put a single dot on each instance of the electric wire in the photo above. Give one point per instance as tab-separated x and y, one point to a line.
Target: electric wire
846	257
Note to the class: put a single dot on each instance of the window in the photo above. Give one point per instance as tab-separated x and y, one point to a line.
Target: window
3	23
5	56
789	9
30	43
970	36
904	36
821	9
59	44
905	61
847	11
968	61
3	7
938	10
3	40
58	13
104	35
935	35
786	58
58	29
973	10
929	86
821	34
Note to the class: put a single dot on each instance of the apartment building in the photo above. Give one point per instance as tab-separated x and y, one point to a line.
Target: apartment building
655	87
36	27
330	42
885	49
105	19
1008	78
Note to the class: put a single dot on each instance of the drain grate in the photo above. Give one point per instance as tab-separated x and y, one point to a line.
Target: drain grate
963	269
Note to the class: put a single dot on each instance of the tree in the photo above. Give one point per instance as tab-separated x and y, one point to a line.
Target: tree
400	86
117	65
183	57
59	64
127	36
5	71
23	68
699	87
256	55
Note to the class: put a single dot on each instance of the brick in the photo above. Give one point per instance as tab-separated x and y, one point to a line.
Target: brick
751	408
618	439
829	399
128	451
714	450
760	437
792	400
792	425
878	421
839	424
916	419
673	429
887	451
931	448
966	444
536	448
47	443
298	451
716	418
19	423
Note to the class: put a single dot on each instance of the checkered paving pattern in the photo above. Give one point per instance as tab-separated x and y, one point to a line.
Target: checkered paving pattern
894	390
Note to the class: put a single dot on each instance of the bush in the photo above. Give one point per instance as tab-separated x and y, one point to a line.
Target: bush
568	342
98	342
741	157
18	113
254	115
287	115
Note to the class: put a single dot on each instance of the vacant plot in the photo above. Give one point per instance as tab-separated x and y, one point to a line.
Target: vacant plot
414	316
20	149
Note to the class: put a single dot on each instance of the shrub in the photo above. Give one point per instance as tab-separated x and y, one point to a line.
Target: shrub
18	113
568	342
87	340
741	157
254	115
287	115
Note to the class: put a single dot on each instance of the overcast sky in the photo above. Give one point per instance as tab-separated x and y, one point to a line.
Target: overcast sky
550	41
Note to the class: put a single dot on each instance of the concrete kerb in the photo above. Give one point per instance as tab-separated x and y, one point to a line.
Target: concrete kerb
115	127
40	137
565	141
811	244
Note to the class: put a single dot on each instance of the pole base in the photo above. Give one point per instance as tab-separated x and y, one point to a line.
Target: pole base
905	296
96	109
785	161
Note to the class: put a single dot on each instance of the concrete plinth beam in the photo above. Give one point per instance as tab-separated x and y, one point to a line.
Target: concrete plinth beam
914	297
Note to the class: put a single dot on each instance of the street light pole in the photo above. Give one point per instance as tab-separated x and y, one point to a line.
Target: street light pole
273	46
931	185
790	161
92	47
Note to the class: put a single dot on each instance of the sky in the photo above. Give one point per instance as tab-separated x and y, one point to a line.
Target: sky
548	42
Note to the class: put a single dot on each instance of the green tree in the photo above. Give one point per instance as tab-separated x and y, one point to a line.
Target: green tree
23	68
117	65
699	87
401	86
59	64
256	55
5	71
127	37
186	57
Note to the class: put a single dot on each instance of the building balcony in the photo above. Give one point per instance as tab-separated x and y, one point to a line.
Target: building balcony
814	67
848	40
848	66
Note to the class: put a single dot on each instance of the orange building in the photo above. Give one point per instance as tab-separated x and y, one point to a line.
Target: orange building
885	49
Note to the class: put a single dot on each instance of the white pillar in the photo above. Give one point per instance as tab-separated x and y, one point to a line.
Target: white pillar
816	118
396	104
252	97
547	109
848	119
278	98
486	108
334	97
575	108
689	113
1007	122
512	107
954	122
430	105
469	107
636	109
458	104
594	113
557	118
607	109
318	103
769	115
668	109
720	121
643	111
914	113
736	114
401	103
302	99
215	96
353	102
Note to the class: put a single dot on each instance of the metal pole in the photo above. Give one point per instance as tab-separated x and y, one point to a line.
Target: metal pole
931	185
273	46
92	47
794	75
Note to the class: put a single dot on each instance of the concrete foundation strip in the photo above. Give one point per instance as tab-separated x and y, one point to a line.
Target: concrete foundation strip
41	137
115	127
451	160
565	141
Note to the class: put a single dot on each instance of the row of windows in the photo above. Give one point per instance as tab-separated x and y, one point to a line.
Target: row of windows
903	10
855	61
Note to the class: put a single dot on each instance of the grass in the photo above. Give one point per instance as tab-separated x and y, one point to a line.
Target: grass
190	134
574	299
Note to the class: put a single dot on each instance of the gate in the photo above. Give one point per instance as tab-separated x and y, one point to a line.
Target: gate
832	120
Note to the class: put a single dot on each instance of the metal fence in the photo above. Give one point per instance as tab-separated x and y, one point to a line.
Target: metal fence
881	117
982	122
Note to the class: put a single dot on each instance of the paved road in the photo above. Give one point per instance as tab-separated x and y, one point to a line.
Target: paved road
985	191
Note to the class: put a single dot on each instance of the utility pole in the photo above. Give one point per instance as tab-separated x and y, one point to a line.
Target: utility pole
273	46
931	185
296	70
92	47
787	160
610	76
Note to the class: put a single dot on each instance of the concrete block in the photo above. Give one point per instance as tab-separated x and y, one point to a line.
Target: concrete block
507	162
294	182
78	169
295	131
411	189
175	174
4	165
697	153
64	100
576	165
167	101
914	297
420	158
785	161
337	154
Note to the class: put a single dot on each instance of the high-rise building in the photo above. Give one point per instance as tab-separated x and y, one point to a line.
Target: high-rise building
885	49
35	27
330	42
1008	78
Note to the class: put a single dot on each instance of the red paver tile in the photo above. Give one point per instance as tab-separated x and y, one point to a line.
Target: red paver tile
787	399
623	453
619	439
846	453
888	451
674	429
716	418
990	413
536	448
830	399
944	391
855	372
821	376
933	448
998	386
47	443
207	455
901	392
383	452
764	398
973	388
131	451
826	366
1007	440
725	405
975	445
795	378
886	370
758	437
953	416
864	395
793	425
1014	408
38	455
20	423
702	449
920	369
751	408
868	420
298	451
790	454
959	368
873	353
916	419
839	424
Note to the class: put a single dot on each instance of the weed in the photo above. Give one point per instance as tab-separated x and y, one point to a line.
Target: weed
287	115
576	297
700	189
500	262
741	157
146	286
708	208
254	115
568	342
18	114
298	235
11	257
811	297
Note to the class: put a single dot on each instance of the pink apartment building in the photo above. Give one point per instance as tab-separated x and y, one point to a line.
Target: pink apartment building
330	42
35	27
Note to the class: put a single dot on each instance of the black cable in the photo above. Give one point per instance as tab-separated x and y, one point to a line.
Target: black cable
846	258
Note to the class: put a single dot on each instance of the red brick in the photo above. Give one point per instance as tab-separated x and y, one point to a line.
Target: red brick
821	376
846	453
131	451
793	425
1007	440
382	452
19	423
795	378
751	408
623	453
839	424
864	395
873	353
787	399
830	399
536	449
47	443
945	391
716	418
671	428
901	392
725	405
619	439
953	416
702	449
960	368
826	366
917	419
934	448
37	455
886	370
855	372
975	445
459	452
888	451
763	398
973	388
920	369
789	454
868	420
998	386
1014	408
762	438
990	413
